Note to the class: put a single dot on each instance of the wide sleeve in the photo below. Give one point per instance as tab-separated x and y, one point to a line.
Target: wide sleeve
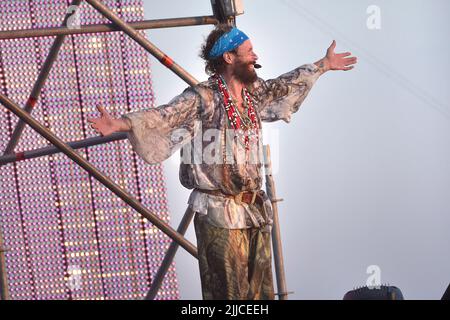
156	133
279	98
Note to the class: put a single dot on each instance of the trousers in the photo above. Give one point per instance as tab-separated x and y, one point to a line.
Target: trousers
235	264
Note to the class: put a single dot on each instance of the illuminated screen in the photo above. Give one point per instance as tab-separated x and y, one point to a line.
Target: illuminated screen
68	236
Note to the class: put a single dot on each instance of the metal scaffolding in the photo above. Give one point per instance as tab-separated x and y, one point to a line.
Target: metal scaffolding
222	14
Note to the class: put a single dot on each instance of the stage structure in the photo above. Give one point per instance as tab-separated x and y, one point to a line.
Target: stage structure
66	236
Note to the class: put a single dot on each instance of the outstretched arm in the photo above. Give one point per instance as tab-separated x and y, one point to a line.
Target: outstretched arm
155	133
336	61
279	98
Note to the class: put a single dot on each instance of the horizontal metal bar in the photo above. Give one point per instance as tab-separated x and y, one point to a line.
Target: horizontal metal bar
108	27
46	151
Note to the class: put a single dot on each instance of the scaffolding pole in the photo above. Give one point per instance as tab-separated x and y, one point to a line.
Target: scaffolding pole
117	25
4	293
40	81
103	179
89	142
146	44
168	257
108	27
276	235
32	99
25	117
130	29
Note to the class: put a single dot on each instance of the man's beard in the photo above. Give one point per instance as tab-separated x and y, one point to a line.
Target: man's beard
244	74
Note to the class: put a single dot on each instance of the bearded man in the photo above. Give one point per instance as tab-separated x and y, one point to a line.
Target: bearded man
233	216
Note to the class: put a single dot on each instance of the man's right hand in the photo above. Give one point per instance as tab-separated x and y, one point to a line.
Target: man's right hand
106	125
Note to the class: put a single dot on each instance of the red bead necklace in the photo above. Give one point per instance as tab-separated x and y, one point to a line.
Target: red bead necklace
249	128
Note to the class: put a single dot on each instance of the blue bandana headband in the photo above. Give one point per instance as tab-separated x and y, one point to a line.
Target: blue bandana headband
227	42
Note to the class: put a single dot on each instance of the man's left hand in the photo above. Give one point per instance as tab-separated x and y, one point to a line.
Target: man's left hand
339	61
336	61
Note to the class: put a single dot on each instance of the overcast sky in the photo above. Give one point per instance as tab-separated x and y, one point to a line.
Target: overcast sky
364	166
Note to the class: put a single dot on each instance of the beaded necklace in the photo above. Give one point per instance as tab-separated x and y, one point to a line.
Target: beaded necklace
245	125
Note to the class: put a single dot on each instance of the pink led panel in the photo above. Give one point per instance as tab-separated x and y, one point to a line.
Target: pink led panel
69	236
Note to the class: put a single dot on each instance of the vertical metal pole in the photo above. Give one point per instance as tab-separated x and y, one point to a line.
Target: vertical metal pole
276	236
40	81
147	45
4	293
168	258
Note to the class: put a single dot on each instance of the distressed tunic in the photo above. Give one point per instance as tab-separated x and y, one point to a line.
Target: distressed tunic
187	121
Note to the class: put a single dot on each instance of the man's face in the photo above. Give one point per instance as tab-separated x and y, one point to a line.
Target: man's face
242	66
